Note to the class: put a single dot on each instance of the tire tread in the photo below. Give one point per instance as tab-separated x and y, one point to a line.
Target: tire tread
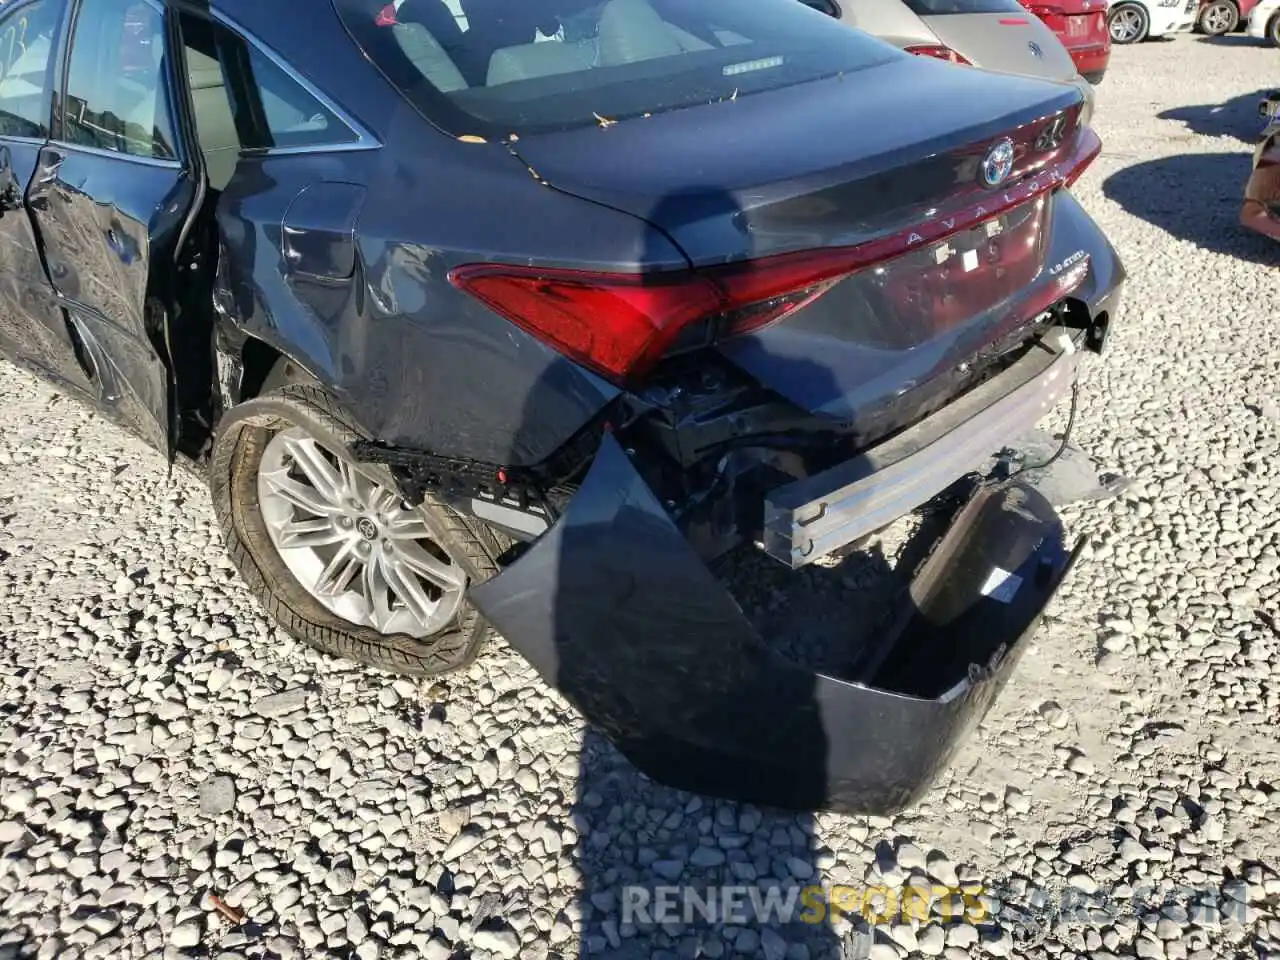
248	545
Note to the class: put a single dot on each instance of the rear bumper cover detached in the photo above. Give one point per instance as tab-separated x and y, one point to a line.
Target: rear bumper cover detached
614	608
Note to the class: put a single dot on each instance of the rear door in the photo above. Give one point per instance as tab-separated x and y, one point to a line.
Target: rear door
33	327
110	198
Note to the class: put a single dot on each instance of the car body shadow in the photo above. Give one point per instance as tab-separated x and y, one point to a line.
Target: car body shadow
1194	197
1234	40
733	690
1238	118
649	854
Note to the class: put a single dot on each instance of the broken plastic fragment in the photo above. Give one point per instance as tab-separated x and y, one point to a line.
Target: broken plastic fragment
605	122
472	138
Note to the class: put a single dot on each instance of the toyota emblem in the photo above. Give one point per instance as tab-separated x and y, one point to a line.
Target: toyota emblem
998	163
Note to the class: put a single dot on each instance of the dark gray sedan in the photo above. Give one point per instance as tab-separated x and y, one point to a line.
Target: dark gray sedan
524	313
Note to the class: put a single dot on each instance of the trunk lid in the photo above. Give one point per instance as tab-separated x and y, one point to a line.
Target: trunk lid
939	263
828	163
1005	42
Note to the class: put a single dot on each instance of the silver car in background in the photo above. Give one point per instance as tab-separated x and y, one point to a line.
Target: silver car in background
998	35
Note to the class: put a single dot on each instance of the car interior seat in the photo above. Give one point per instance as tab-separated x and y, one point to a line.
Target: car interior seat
428	56
628	31
631	30
215	122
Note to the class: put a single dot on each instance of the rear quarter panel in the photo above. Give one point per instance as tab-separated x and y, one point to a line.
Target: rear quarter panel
415	361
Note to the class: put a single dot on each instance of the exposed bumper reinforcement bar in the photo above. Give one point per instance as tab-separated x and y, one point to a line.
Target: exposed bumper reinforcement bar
810	518
613	607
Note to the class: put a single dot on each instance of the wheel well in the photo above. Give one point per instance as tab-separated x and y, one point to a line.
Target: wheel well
259	359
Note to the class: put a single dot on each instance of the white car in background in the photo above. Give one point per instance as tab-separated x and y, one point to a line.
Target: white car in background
1132	21
1264	21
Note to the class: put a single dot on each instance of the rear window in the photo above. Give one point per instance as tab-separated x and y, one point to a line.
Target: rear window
518	66
936	8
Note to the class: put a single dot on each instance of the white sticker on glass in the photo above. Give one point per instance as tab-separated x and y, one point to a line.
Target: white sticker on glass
1001	585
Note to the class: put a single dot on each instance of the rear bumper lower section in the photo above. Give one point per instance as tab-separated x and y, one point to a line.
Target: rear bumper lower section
1091	61
613	607
810	518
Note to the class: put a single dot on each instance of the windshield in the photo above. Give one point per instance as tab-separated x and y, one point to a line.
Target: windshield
518	66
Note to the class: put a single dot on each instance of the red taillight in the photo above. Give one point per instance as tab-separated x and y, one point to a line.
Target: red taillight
386	16
938	52
1088	146
621	324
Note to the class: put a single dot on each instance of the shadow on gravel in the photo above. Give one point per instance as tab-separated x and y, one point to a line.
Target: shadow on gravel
655	862
1238	117
641	841
1194	197
1233	40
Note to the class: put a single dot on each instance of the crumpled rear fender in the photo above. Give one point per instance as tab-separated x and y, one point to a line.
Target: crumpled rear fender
613	608
1261	208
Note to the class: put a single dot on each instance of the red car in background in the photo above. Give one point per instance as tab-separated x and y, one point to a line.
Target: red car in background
1081	25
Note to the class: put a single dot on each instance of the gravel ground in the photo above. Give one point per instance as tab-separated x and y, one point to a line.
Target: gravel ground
179	777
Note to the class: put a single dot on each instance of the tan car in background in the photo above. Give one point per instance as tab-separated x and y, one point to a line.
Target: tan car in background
1261	208
998	35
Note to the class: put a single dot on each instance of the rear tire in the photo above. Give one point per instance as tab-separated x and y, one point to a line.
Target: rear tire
238	453
1128	23
1273	30
1218	18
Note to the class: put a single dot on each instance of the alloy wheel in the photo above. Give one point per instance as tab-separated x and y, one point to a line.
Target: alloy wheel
1218	18
1126	25
353	543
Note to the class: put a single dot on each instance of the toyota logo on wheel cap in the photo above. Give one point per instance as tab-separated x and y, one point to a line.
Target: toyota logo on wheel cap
1035	49
998	163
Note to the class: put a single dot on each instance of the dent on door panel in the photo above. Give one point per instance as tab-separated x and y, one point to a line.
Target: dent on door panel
105	224
33	327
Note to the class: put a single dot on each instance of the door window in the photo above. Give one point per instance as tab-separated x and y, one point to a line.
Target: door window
117	98
273	110
27	39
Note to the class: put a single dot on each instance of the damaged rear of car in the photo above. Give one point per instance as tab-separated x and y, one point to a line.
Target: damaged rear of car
875	298
555	305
